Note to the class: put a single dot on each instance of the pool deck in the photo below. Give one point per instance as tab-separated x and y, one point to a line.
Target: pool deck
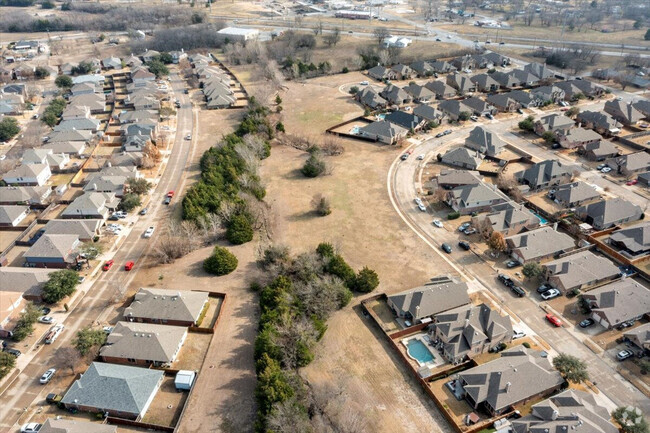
424	339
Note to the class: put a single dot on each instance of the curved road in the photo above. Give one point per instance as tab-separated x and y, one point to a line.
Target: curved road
98	303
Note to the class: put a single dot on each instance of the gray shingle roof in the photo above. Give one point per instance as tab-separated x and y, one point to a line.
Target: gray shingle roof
54	246
9	213
431	299
180	305
606	213
75	426
575	192
619	301
23	194
458	177
543	172
462	157
85	228
114	387
639	161
520	373
28	281
508	215
636	239
601	148
484	141
539	243
581	268
144	341
555	121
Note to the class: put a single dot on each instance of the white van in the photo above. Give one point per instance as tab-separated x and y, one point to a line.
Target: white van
54	333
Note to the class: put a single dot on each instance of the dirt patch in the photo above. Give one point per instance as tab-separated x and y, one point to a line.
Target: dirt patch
193	352
167	405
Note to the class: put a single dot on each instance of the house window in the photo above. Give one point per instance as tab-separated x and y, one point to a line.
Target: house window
132	360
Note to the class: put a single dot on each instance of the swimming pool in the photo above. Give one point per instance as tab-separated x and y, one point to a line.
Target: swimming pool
419	351
542	220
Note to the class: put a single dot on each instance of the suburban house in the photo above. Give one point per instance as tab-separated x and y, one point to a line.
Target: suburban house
571	410
599	151
485	83
52	425
478	197
503	102
523	78
419	93
579	270
381	73
644	179
544	174
452	109
524	98
85	229
53	251
428	113
464	63
469	330
94	205
624	113
608	213
441	66
478	106
143	344
639	336
578	137
96	102
167	307
505	80
618	302
573	88
402	72
484	141
643	106
24	194
106	184
574	194
540	70
370	98
383	132
118	390
545	94
112	63
600	122
441	89
421	303
463	158
28	175
539	244
12	215
557	123
633	242
461	82
508	219
518	376
449	179
422	68
73	148
70	135
406	120
45	156
75	112
630	163
395	95
11	305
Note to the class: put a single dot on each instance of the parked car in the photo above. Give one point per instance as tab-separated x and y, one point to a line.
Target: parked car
550	294
417	200
506	280
464	245
498	348
113	218
625	325
554	320
53	398
464	226
518	290
108	329
11	351
31	427
47	376
512	264
518	334
544	288
440	134
46	319
364	83
446	248
470	231
188	137
168	200
45	311
128	265
631	182
586	323
447	131
404	157
601	166
624	354
420	157
605	169
149	232
489	116
437	223
144	211
520	111
108	265
473	118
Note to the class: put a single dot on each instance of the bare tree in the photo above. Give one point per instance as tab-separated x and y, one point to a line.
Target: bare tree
68	357
333	37
380	33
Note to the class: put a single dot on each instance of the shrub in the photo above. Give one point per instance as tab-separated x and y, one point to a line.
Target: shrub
314	166
464	115
41	72
321	205
7	362
325	249
59	285
157	68
339	267
130	201
279	127
88	339
8	128
354	90
367	280
239	230
453	215
345	70
221	262
549	137
526	344
528	124
25	325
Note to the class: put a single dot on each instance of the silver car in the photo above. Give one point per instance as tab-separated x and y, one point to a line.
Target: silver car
47	376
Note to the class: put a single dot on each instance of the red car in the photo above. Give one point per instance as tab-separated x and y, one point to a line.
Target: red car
128	266
170	194
554	320
108	265
631	182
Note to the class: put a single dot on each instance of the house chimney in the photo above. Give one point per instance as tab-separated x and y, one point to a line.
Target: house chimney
508	386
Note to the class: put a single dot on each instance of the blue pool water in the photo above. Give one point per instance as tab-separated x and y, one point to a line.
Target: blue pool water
381	116
355	130
541	219
419	351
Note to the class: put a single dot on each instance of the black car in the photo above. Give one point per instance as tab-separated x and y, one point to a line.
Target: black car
518	290
10	351
464	245
45	311
144	211
113	218
586	323
544	288
446	248
440	134
167	200
506	280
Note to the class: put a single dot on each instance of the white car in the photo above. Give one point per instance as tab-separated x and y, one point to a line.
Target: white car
188	137
364	83
437	223
149	232
46	319
518	334
605	169
422	207
32	427
550	294
3	157
47	376
418	200
108	329
420	157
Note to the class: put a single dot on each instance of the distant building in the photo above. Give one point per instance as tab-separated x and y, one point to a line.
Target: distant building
237	34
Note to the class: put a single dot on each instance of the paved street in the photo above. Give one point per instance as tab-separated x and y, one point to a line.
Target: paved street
402	181
98	303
